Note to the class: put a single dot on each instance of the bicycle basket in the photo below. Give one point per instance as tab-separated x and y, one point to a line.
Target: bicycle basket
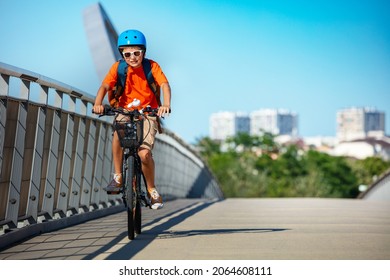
129	133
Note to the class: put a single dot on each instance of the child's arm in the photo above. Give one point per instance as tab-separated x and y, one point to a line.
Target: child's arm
98	106
166	105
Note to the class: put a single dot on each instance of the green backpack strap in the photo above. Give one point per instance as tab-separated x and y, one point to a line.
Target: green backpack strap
149	76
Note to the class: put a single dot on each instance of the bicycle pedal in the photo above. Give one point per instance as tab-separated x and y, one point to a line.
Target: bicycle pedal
145	201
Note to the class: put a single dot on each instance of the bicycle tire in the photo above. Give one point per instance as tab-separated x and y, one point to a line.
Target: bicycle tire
130	197
137	218
138	212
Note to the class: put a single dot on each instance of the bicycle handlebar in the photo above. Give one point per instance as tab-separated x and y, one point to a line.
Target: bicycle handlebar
111	111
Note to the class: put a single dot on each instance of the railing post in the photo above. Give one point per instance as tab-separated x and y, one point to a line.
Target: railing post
98	165
32	163
76	164
11	178
88	163
63	164
49	165
107	163
4	87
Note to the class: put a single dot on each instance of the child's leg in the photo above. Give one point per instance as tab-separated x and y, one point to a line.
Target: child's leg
147	167
117	157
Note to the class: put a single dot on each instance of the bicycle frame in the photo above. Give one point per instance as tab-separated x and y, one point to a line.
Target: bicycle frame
130	134
129	130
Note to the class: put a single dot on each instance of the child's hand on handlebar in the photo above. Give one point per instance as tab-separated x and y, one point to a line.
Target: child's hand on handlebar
163	110
98	109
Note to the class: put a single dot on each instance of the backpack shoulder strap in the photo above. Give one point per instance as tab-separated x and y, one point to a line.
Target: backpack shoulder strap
149	76
153	86
113	96
122	73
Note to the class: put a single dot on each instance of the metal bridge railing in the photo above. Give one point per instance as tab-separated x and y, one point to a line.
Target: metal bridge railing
378	190
55	155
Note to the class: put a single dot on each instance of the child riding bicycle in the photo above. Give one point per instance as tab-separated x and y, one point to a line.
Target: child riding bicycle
132	46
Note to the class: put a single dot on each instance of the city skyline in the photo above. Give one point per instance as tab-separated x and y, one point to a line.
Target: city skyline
372	118
314	58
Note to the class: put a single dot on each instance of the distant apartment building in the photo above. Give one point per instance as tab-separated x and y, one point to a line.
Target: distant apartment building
227	124
359	123
275	121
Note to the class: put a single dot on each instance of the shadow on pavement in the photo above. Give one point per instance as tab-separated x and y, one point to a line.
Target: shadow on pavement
143	240
162	231
187	233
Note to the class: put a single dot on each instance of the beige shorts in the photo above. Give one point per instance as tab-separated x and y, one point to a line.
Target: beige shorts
150	131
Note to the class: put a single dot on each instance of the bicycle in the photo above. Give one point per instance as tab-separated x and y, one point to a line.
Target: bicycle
130	133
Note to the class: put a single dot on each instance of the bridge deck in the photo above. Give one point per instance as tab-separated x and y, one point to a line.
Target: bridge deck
230	229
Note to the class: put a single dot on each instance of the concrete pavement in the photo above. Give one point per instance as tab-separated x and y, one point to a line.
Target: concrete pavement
232	229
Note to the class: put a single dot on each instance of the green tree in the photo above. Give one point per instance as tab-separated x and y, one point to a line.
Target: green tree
242	140
255	166
337	174
208	147
369	169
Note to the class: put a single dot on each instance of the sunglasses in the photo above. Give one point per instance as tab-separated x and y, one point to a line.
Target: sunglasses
135	53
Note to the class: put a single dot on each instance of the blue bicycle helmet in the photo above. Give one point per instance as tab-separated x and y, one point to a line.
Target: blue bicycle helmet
131	38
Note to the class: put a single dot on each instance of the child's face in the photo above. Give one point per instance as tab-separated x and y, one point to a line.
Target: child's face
133	56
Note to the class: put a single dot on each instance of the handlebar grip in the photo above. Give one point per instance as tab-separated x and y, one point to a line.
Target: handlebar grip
106	111
150	110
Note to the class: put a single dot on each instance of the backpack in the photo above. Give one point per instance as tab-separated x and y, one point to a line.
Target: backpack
121	82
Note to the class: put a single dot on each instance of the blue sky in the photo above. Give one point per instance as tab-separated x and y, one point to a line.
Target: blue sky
311	57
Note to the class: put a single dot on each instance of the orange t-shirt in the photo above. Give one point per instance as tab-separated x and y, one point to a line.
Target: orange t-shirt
136	84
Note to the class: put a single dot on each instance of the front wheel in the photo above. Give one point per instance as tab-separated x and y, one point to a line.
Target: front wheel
130	197
137	218
137	187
